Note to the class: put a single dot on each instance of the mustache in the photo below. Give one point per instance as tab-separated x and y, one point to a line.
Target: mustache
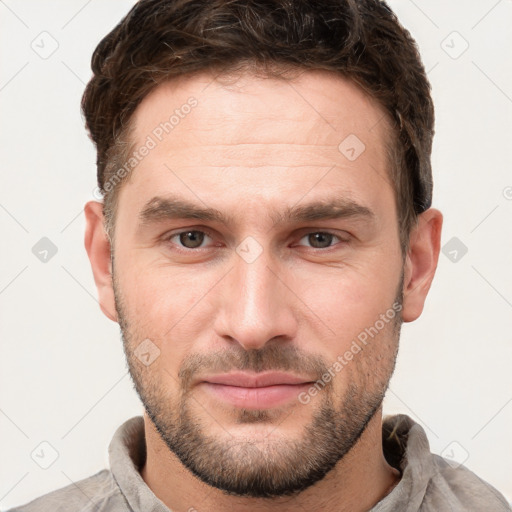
270	357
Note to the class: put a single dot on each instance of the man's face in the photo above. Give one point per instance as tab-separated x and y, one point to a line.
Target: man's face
273	286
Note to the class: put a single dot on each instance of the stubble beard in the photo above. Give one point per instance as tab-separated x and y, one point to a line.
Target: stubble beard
274	466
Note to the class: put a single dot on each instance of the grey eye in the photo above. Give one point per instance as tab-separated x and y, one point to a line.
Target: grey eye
320	239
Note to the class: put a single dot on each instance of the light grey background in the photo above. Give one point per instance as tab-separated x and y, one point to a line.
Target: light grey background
63	379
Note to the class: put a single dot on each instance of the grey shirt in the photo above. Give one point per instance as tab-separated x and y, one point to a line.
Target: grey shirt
428	483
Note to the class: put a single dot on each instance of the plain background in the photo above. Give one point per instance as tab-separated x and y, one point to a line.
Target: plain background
63	378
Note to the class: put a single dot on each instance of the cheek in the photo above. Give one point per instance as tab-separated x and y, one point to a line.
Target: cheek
351	300
164	304
158	292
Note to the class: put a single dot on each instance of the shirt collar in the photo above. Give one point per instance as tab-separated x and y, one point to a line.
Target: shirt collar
406	447
127	455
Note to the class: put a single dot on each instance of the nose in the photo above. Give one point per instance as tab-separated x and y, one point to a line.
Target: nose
255	304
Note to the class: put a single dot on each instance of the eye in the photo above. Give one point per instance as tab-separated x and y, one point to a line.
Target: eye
189	239
321	239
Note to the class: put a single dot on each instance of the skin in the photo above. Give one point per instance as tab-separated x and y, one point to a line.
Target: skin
250	149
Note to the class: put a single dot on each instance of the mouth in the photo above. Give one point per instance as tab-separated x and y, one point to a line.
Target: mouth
255	390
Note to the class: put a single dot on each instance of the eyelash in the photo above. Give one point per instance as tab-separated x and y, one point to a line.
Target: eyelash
170	236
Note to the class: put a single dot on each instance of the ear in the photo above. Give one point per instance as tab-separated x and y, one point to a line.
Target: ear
98	248
421	262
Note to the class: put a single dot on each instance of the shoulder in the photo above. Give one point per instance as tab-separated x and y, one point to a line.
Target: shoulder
97	493
462	489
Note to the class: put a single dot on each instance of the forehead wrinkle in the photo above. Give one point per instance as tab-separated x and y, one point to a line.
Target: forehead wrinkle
244	155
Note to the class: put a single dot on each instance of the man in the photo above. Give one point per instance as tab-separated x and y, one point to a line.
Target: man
266	228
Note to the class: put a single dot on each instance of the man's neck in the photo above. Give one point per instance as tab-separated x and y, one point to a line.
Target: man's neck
359	481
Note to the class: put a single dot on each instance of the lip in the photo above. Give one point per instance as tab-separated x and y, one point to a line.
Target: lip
255	391
255	380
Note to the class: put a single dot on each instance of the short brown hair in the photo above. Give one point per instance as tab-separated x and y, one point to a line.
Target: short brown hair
359	39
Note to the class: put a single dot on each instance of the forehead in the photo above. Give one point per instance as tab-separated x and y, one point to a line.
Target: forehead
313	108
262	135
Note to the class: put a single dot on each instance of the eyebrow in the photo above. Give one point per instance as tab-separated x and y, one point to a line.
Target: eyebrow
168	208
